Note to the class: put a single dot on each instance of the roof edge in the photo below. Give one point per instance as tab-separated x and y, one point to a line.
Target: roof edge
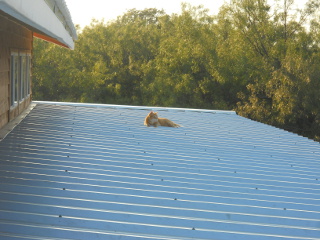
37	16
66	13
151	108
7	128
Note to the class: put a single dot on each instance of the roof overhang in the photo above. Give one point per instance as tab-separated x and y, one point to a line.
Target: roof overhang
40	18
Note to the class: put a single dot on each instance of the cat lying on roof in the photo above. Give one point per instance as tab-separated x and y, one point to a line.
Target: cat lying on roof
152	119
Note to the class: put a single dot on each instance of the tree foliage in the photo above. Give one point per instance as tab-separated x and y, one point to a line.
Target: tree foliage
262	61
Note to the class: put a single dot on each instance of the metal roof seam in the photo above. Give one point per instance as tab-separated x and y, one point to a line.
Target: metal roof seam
94	171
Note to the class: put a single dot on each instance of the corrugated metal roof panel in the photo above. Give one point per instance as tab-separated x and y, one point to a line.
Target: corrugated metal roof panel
71	171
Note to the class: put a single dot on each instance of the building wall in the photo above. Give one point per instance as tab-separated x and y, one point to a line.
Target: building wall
13	38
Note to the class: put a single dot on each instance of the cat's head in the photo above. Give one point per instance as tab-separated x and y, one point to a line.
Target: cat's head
153	115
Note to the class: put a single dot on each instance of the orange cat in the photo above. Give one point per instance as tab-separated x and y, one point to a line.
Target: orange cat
153	120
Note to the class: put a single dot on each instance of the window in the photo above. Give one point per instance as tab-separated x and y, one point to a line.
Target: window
20	77
14	78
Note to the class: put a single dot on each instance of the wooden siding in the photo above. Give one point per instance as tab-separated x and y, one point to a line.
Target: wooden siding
13	38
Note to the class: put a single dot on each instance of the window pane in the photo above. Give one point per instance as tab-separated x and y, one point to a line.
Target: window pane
12	81
28	74
22	77
14	78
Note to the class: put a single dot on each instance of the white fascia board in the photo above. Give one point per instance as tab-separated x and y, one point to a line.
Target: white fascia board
37	14
65	11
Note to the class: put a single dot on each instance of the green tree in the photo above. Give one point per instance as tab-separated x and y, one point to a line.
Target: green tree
51	75
261	61
286	49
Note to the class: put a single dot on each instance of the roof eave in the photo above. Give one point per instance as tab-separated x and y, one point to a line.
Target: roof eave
37	16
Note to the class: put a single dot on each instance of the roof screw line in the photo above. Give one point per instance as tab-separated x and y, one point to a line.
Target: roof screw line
193	229
60	216
175	199
63	188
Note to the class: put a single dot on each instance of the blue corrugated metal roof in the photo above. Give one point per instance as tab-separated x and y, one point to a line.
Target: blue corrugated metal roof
73	171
